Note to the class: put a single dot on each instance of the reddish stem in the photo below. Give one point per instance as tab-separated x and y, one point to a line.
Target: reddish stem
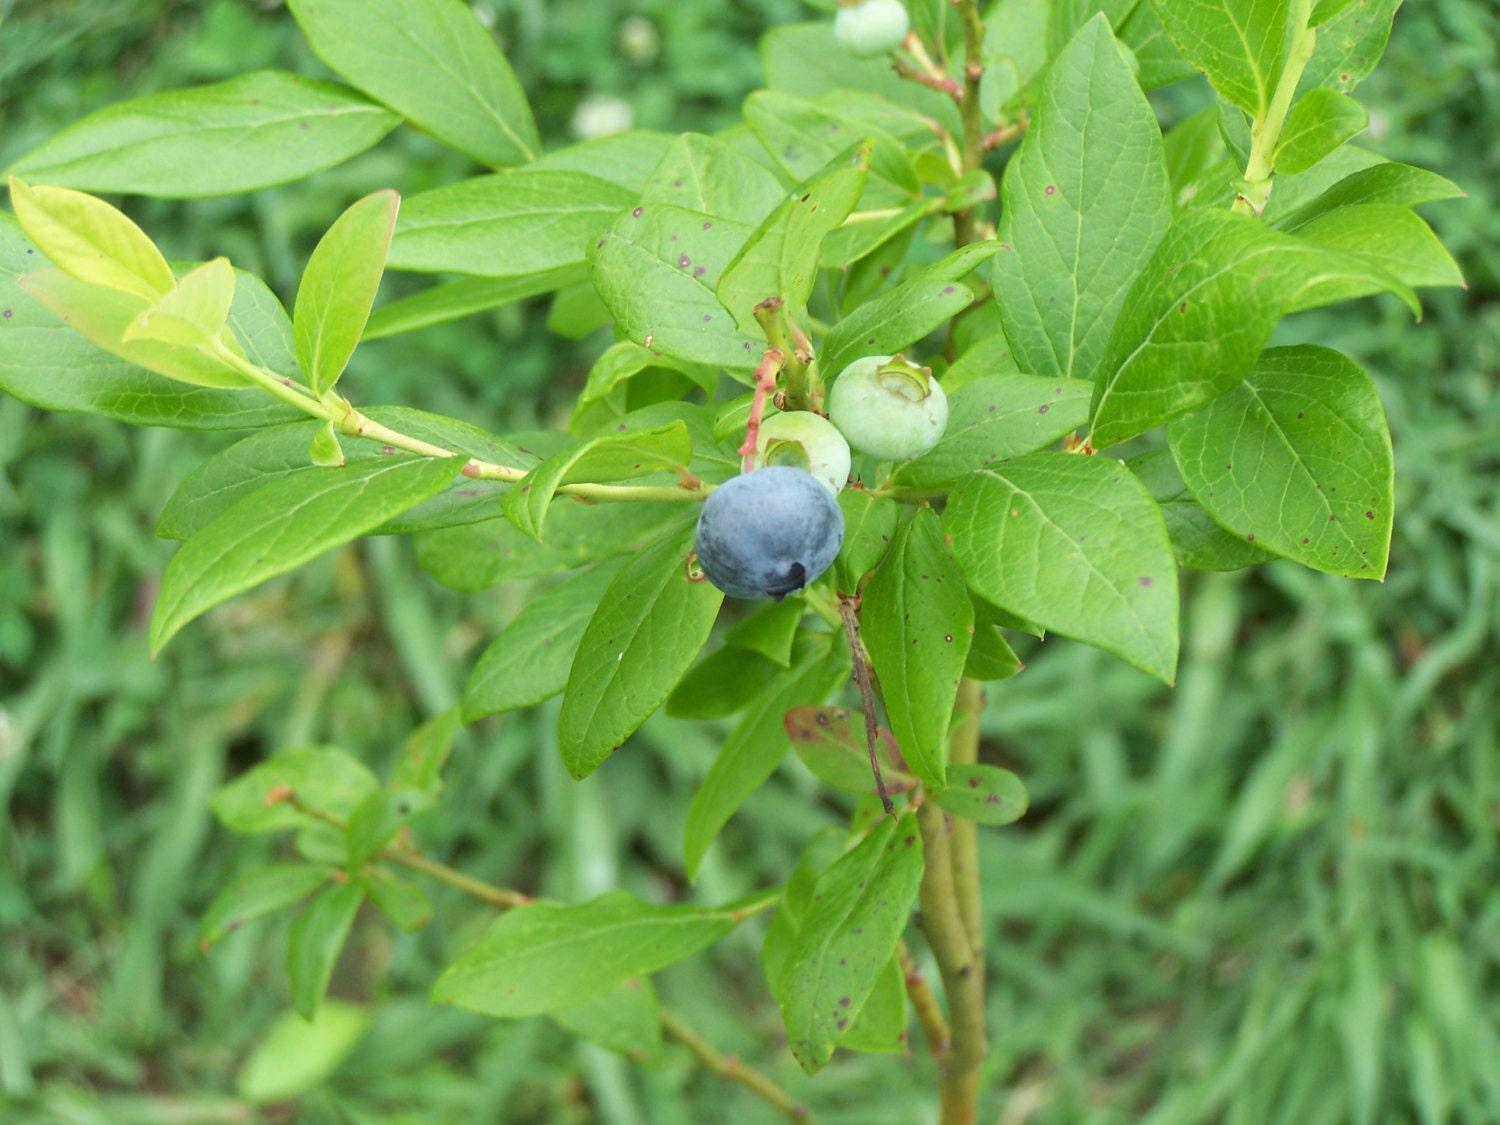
765	386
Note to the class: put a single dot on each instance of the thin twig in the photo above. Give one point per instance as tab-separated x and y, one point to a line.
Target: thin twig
939	82
963	750
849	612
929	1014
731	1068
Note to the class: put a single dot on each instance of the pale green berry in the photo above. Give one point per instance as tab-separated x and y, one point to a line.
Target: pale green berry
871	27
888	407
806	441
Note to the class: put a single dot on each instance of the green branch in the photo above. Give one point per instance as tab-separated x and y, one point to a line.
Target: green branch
1265	133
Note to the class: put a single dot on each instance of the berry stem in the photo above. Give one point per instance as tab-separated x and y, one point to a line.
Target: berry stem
765	387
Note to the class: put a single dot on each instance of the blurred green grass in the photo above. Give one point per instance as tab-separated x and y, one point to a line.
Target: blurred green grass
1268	896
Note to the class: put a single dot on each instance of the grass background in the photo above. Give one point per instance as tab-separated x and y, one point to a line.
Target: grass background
1267	896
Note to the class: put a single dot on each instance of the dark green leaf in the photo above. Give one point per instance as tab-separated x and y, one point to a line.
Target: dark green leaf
770	630
1199	542
1350	44
314	942
869	524
830	741
985	794
1239	44
322	780
257	893
720	684
893	321
1321	120
453	300
1399	184
626	1019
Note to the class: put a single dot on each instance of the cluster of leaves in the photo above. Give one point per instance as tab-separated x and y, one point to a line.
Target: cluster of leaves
1123	295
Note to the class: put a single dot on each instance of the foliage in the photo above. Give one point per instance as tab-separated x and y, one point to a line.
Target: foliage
371	826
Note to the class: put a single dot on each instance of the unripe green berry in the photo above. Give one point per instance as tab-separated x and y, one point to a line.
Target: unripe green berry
888	407
805	441
871	27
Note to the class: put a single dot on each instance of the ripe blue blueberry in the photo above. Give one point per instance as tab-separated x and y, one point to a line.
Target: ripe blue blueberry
888	408
768	533
867	28
808	441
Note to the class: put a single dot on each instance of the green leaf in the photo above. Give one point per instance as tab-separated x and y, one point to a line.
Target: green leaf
771	630
296	1055
453	300
723	682
656	270
984	794
279	452
374	821
1391	239
917	623
1239	44
892	321
620	363
846	939
105	316
989	355
869	524
1085	202
285	523
1159	60
626	1019
612	457
757	745
990	656
426	750
324	451
314	941
194	312
1350	44
322	779
433	63
700	173
1321	120
781	258
626	159
338	287
881	1026
257	893
1200	313
528	662
250	132
400	900
649	626
1075	544
1399	184
995	419
1198	542
1297	459
805	137
510	225
91	241
547	957
830	741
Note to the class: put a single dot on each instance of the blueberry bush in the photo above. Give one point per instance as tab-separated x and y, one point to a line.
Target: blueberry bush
948	341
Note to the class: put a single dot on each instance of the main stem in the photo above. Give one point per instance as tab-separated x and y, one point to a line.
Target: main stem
1265	132
970	115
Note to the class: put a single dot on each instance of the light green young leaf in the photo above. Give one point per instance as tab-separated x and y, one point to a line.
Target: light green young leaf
533	960
314	942
528	662
995	419
758	744
433	63
323	779
847	937
990	656
511	225
104	316
656	270
338	287
1239	44
324	450
650	624
984	794
1321	120
892	321
1075	544
91	241
285	523
1297	459
1085	202
296	1055
250	132
401	900
426	750
262	891
781	258
700	173
453	300
1388	182
1200	313
626	1019
194	311
830	741
612	457
1350	43
917	623
1198	541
